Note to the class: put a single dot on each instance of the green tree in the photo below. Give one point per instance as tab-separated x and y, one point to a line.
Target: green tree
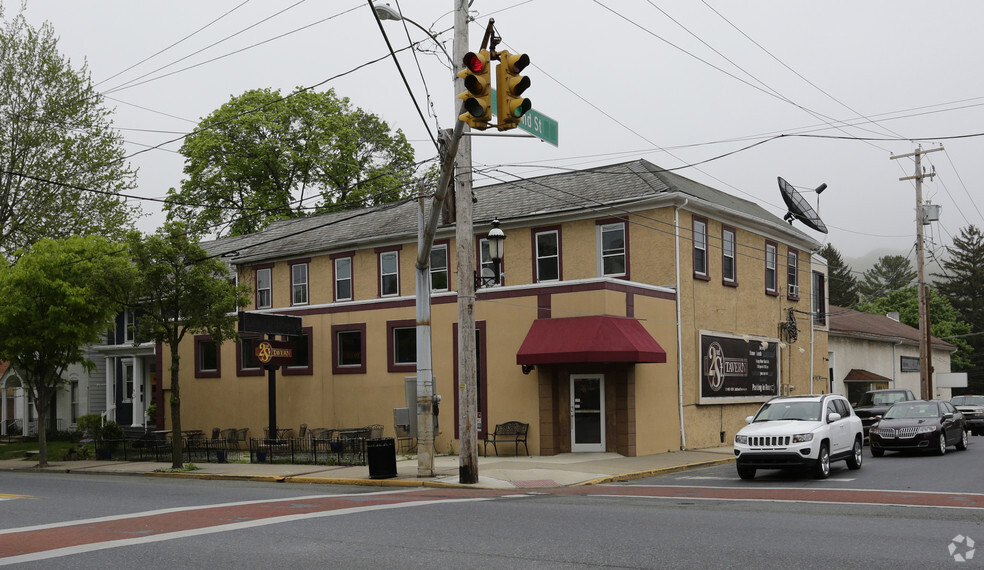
962	282
56	140
890	273
842	284
945	321
262	157
57	299
179	290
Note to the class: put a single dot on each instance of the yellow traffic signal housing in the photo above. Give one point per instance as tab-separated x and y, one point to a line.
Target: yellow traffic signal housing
509	87
478	90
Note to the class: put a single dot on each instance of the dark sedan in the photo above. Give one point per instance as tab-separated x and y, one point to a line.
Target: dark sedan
922	425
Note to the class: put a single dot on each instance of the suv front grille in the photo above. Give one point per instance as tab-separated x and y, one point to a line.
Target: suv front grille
768	441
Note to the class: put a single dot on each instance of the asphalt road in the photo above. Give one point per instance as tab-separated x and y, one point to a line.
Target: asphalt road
896	512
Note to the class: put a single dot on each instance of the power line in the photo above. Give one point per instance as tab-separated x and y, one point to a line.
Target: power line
148	58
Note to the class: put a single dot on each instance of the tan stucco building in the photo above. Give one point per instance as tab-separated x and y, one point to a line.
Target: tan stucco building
668	309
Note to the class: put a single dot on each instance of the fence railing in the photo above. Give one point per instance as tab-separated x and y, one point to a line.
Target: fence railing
260	450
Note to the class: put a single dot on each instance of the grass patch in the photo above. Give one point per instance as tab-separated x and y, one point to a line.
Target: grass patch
56	450
187	467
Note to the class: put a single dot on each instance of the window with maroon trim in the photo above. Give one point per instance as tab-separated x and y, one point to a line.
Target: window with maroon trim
306	342
700	248
792	269
389	273
207	357
485	265
242	357
546	255
439	267
771	250
612	250
401	346
343	278
348	351
264	287
298	282
729	261
819	300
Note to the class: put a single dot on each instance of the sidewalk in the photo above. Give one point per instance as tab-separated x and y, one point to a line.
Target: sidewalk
522	472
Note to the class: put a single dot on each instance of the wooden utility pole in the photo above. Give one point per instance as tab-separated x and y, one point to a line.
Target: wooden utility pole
925	348
465	251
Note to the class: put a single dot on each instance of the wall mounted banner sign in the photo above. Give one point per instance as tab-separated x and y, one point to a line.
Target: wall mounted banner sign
737	368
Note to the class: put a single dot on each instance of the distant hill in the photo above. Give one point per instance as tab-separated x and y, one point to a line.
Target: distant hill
861	264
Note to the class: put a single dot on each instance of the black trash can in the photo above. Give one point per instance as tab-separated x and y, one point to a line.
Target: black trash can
381	454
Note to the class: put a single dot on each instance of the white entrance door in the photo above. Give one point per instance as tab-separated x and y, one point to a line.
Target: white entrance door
587	413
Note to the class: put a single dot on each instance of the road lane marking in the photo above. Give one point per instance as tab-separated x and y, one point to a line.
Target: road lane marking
935	499
157	512
92	547
5	496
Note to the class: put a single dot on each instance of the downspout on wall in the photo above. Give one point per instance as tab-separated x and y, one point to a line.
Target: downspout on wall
679	321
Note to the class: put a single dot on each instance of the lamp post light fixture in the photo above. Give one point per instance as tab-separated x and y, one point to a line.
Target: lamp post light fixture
496	239
386	12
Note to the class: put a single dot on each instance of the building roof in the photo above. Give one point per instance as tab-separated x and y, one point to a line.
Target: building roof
610	190
848	322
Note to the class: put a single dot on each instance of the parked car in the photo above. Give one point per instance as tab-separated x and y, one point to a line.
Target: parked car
931	425
972	408
875	403
799	432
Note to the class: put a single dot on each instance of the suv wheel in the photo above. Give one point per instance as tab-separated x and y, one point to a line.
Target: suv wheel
964	440
746	472
854	461
941	447
822	469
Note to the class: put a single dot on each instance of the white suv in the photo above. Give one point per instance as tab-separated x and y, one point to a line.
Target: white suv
797	432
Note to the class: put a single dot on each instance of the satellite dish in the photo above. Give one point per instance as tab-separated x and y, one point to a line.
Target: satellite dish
799	209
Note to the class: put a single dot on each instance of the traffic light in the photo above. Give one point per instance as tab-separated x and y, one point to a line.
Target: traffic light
509	86
478	90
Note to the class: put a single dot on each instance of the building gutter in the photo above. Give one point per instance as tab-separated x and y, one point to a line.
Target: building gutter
679	319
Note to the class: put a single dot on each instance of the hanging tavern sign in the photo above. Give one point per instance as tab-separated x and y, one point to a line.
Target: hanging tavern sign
737	368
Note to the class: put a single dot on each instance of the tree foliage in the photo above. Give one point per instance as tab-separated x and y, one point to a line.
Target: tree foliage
962	282
262	157
180	290
890	273
57	299
842	284
945	320
56	139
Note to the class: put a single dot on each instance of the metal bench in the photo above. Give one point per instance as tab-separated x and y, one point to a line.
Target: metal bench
510	431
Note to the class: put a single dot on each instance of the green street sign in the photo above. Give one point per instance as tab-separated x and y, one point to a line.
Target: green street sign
537	124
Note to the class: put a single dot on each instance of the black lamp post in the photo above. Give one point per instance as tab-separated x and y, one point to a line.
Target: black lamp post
497	248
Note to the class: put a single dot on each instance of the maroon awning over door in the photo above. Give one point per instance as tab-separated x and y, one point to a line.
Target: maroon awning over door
588	339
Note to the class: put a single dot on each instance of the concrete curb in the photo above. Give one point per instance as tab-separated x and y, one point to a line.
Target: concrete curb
654	472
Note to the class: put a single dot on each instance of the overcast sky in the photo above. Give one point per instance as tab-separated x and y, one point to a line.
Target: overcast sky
675	83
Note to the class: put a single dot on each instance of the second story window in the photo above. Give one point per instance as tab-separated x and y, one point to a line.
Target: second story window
299	284
129	325
439	267
547	245
611	242
264	288
819	298
343	279
792	267
729	267
389	273
770	268
700	248
485	264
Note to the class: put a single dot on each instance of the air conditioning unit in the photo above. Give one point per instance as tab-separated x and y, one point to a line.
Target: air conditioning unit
794	290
